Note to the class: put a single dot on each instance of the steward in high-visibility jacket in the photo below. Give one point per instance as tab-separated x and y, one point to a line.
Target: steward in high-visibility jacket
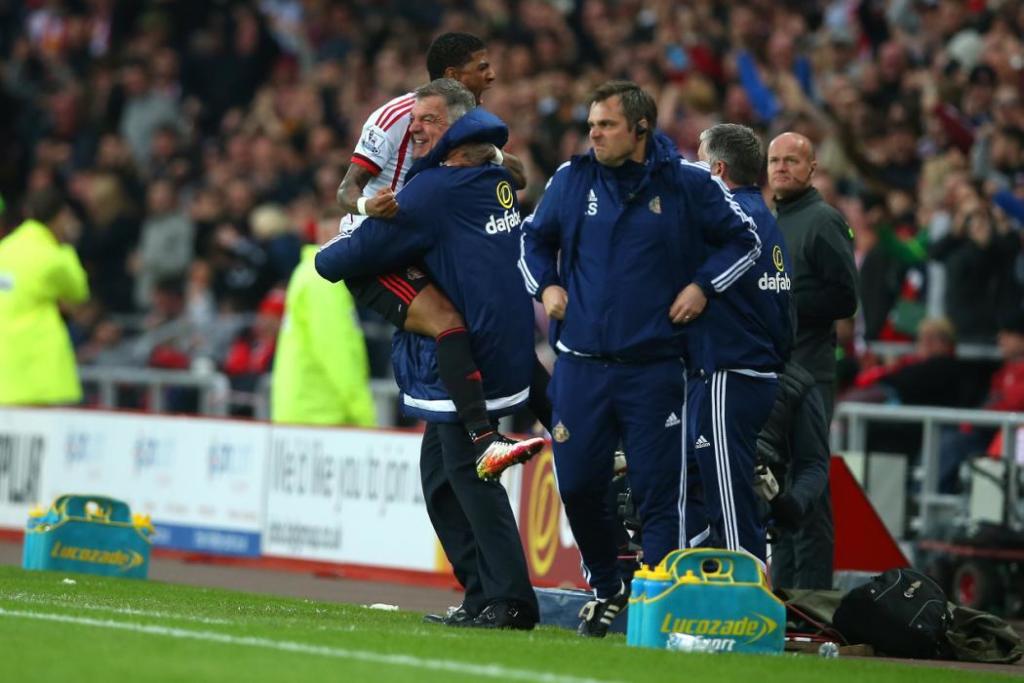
321	372
37	361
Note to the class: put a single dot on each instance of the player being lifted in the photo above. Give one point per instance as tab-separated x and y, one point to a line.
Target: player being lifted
406	297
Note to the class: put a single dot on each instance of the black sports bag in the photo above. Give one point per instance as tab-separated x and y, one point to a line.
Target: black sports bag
902	613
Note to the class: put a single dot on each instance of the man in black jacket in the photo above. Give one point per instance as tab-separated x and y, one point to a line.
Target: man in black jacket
825	290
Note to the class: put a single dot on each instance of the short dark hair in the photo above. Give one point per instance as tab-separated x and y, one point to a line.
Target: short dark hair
458	100
44	205
739	148
451	50
636	103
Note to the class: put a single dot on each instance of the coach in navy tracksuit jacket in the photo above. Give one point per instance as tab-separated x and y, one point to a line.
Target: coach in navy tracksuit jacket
463	224
613	248
741	341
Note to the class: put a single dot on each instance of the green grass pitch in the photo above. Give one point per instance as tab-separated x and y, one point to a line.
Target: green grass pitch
98	629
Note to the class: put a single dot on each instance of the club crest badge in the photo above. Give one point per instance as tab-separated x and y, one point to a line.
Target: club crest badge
560	433
655	205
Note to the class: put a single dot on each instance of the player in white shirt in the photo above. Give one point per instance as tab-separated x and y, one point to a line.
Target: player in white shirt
406	298
381	158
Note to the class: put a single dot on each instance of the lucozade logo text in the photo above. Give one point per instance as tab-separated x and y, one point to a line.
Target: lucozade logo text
124	559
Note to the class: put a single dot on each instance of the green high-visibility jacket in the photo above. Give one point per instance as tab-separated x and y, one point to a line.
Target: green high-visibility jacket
37	362
321	372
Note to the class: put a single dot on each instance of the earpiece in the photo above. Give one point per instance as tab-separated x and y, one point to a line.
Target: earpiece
640	129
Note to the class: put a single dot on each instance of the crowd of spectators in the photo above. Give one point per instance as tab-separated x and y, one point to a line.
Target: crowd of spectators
202	141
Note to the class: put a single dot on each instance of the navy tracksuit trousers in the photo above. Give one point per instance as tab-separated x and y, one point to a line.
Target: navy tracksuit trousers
726	413
474	522
597	404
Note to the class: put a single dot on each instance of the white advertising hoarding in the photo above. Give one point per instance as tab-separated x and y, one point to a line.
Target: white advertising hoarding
234	487
26	445
349	496
200	480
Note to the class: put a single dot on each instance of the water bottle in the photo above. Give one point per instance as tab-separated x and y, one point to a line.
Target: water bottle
684	642
659	583
828	650
634	613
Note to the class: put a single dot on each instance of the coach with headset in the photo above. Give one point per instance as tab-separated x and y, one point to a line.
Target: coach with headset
616	253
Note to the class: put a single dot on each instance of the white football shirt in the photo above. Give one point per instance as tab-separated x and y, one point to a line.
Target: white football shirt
385	150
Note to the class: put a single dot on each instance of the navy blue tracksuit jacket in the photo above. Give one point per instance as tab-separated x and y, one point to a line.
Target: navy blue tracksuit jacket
624	242
742	338
641	249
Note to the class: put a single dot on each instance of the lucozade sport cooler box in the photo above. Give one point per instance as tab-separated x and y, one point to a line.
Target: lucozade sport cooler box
720	596
91	534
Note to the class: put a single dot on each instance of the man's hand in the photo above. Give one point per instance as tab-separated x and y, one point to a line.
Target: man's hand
480	153
555	299
765	484
688	304
383	204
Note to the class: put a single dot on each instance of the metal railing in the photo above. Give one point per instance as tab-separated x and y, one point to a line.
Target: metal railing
384	391
215	395
853	419
213	388
964	351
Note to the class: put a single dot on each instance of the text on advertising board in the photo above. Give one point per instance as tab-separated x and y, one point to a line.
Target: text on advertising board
21	457
304	467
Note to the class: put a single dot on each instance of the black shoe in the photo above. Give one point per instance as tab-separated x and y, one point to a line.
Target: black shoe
457	616
597	615
504	615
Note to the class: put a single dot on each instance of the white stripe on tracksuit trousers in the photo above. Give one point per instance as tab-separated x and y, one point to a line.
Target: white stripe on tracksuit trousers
723	468
682	472
723	471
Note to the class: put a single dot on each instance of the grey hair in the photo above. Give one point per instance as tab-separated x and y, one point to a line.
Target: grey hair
739	148
458	100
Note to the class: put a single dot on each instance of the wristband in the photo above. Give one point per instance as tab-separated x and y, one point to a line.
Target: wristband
361	206
499	158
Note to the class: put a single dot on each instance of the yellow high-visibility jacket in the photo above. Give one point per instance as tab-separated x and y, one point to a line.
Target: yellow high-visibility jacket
37	362
321	372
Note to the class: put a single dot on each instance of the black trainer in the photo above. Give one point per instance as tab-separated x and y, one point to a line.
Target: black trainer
457	616
597	615
504	615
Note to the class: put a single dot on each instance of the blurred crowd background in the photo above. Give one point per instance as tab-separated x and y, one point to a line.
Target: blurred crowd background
202	142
